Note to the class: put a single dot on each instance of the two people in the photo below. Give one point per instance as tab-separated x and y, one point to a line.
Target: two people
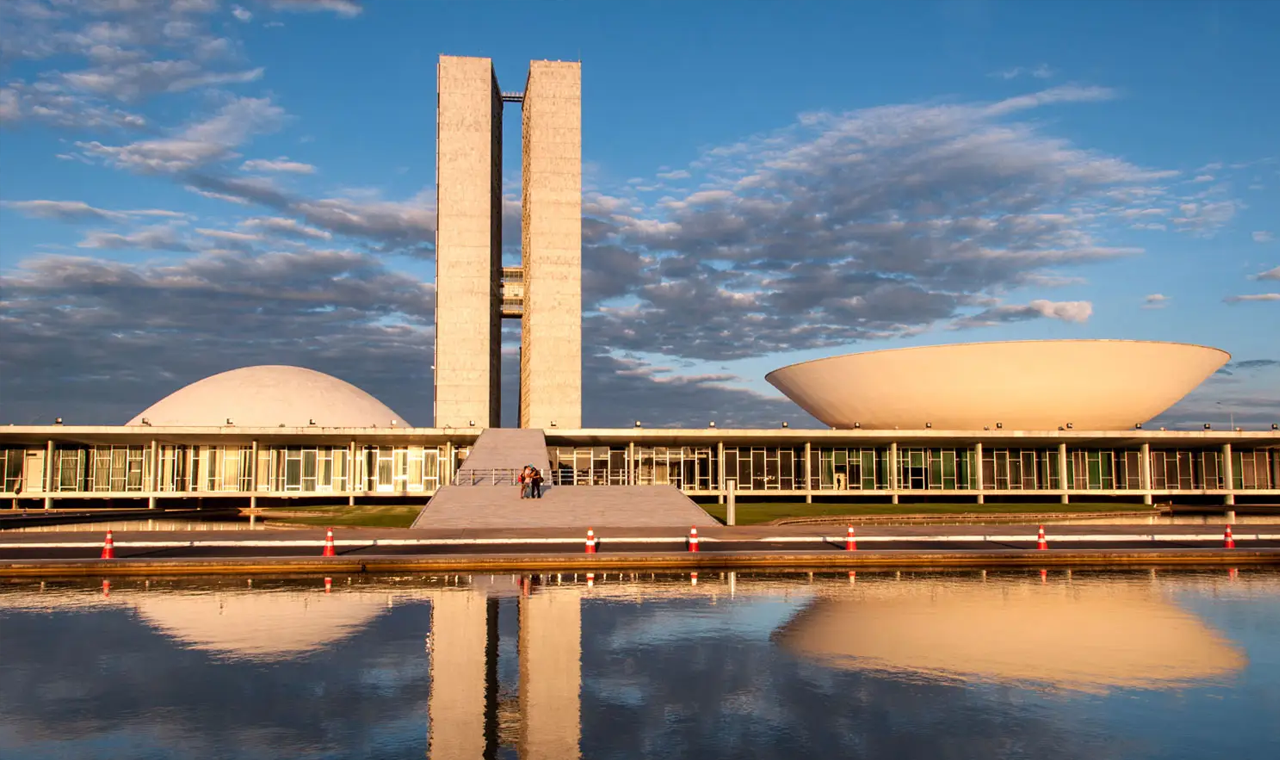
530	480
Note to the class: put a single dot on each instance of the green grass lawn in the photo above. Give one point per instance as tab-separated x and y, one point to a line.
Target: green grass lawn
360	516
754	513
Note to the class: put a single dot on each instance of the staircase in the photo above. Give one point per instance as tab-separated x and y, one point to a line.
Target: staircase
490	497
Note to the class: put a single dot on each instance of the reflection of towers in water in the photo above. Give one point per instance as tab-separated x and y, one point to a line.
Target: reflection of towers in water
464	703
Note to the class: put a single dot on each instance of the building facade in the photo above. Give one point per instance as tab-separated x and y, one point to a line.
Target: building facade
64	466
474	292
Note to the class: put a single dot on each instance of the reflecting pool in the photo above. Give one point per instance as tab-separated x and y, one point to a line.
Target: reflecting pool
982	664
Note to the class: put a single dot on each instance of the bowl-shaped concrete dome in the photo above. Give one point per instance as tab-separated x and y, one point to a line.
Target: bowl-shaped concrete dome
1023	385
269	396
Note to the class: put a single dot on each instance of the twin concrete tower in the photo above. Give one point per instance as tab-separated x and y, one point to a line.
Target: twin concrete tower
474	291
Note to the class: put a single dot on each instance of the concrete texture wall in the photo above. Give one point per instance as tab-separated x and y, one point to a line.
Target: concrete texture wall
468	243
551	340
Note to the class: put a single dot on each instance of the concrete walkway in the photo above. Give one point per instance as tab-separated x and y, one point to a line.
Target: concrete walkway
487	502
572	508
465	550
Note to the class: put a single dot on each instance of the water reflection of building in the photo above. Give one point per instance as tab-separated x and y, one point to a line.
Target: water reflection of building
1086	636
464	705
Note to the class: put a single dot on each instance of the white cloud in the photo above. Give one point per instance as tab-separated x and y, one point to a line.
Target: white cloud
49	105
344	8
241	14
1067	311
1039	72
67	211
132	81
218	196
1263	236
9	109
1155	301
281	164
79	211
1067	93
229	235
1270	274
158	238
285	226
197	144
1253	297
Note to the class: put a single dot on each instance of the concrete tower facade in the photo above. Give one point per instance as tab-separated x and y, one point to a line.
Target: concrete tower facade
551	242
468	244
473	290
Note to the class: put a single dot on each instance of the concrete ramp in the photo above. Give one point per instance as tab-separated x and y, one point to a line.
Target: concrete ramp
571	507
506	449
485	494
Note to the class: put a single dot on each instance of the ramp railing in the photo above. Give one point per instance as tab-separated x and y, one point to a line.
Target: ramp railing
492	476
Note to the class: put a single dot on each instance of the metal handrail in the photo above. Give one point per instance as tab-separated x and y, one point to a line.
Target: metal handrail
492	476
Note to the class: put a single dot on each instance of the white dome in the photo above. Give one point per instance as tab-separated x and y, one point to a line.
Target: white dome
269	396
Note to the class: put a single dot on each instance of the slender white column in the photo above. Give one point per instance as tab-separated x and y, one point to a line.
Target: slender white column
977	471
48	475
631	463
153	478
1062	468
1228	475
253	477
720	471
1144	473
893	472
808	476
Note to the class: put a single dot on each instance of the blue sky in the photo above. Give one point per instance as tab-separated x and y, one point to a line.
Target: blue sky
192	186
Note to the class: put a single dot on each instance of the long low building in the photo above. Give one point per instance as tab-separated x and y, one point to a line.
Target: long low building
57	465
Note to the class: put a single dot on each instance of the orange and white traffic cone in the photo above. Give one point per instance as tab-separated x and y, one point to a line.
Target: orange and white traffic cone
108	547
106	589
693	578
328	585
693	539
1227	539
591	542
328	544
591	580
1041	543
850	543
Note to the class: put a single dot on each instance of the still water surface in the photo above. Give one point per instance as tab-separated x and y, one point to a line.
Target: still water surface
1089	664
